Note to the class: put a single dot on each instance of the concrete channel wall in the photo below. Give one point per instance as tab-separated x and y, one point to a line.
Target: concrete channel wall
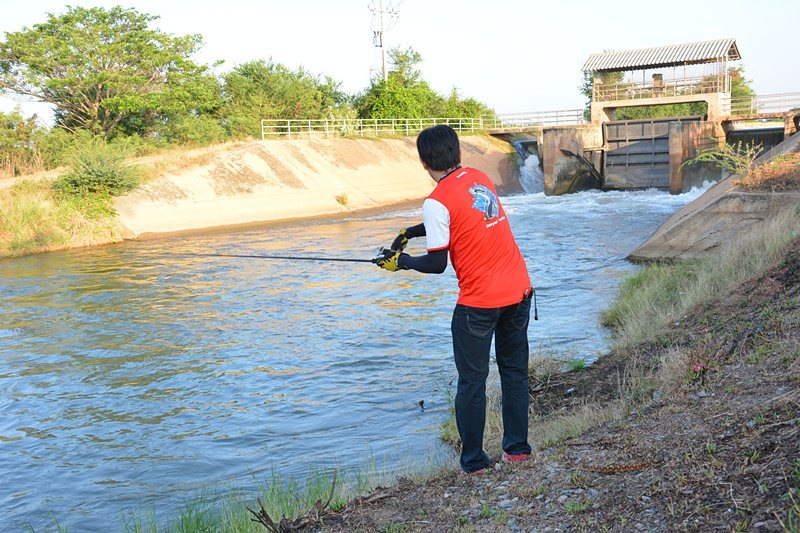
267	181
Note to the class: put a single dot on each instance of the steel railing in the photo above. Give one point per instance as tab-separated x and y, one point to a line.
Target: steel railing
762	104
376	127
676	87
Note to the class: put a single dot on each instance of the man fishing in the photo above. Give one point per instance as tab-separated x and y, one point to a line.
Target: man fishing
463	217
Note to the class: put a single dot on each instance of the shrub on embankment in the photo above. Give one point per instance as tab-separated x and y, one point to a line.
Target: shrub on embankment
74	210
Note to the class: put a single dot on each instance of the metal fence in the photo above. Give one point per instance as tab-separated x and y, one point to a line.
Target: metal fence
763	104
380	127
386	127
662	88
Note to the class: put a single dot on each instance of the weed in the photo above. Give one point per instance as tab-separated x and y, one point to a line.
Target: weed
501	517
711	448
342	199
98	168
576	506
736	158
657	296
578	479
576	364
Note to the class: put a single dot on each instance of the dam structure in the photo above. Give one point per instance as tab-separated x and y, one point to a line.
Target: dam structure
614	153
604	146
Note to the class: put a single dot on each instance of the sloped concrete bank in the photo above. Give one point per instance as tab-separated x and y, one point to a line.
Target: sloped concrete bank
268	181
717	216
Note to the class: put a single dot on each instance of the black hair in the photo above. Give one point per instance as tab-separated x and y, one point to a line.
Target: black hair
438	147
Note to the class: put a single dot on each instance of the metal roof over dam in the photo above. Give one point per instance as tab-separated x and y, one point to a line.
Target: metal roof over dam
719	50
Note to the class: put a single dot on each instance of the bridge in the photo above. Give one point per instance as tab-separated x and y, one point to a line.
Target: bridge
750	108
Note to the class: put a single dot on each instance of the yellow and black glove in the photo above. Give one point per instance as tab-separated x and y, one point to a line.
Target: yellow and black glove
390	260
401	241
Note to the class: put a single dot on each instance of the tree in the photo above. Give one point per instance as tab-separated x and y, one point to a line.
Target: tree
99	66
741	92
18	151
263	89
406	95
586	87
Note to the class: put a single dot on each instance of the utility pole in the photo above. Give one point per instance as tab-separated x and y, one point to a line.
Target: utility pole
377	34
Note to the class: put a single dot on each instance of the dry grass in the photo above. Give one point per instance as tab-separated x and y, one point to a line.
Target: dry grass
175	160
779	174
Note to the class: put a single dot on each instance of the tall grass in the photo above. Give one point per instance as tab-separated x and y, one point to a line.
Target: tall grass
662	294
33	218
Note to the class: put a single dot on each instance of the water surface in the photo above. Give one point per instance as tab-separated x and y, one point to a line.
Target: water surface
136	375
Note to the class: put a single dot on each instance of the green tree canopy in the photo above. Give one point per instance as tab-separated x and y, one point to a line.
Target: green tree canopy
98	66
406	95
18	136
264	89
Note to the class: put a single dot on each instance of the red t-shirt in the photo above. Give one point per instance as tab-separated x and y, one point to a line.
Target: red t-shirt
464	215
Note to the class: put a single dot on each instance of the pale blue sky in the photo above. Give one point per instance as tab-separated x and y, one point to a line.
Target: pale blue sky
513	55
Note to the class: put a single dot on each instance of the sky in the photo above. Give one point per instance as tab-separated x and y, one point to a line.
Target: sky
513	55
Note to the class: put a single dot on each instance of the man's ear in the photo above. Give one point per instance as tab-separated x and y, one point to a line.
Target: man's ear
424	165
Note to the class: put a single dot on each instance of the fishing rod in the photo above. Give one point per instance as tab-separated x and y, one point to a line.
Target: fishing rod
285	257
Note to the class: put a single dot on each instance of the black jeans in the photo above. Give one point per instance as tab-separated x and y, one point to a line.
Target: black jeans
473	329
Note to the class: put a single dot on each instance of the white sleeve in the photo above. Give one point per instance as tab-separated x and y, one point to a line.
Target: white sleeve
436	218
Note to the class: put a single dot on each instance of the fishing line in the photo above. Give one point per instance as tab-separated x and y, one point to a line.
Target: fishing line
283	257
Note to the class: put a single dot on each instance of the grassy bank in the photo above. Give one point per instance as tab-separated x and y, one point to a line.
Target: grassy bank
690	423
34	219
72	211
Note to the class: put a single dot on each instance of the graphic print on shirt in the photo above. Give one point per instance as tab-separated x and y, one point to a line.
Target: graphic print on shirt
484	200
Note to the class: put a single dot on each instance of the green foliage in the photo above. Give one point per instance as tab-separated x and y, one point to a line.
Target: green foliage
652	287
736	158
98	168
576	364
741	92
264	89
587	86
661	111
658	296
19	153
33	218
194	130
99	66
406	95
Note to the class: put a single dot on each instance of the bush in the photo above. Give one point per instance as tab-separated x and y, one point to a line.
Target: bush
196	130
98	168
736	158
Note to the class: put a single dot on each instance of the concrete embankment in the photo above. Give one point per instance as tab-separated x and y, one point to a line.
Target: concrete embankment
267	181
717	216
